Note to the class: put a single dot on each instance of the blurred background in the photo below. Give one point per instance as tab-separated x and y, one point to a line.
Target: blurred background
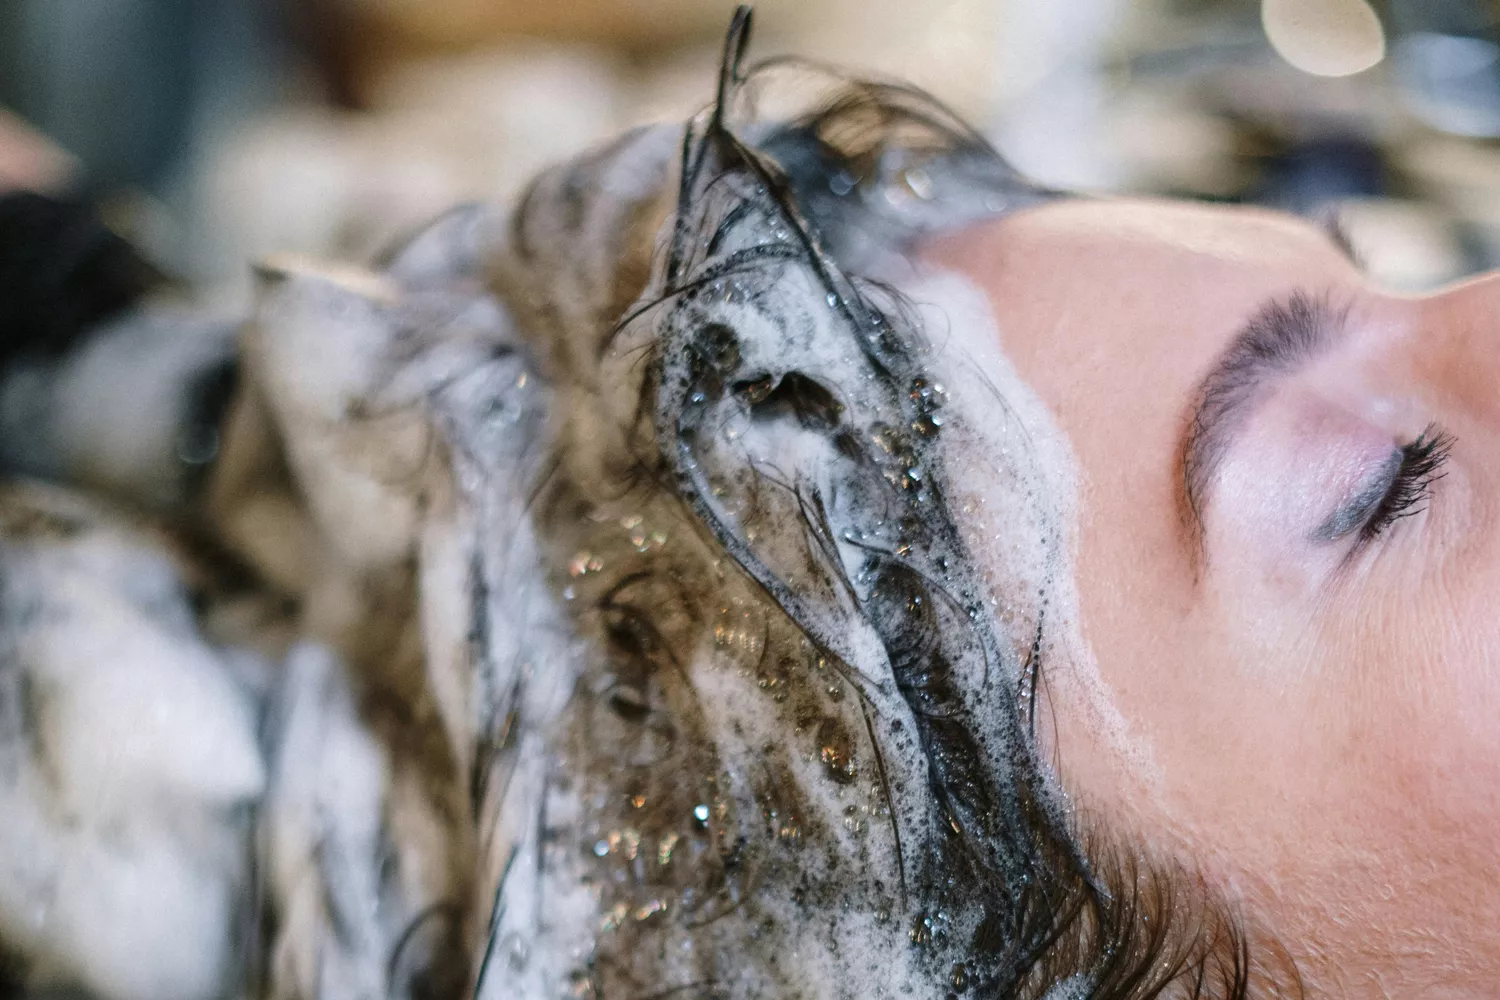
213	132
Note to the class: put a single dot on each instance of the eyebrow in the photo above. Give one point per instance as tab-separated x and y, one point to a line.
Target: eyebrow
1282	337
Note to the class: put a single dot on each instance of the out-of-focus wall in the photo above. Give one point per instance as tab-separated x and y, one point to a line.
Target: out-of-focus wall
946	45
461	99
222	130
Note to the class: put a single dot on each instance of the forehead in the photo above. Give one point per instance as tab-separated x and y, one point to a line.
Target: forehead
1149	231
1154	283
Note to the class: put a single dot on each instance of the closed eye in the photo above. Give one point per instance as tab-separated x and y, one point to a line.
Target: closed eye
1401	489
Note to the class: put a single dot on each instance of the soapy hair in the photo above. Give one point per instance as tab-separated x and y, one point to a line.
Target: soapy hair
723	703
798	756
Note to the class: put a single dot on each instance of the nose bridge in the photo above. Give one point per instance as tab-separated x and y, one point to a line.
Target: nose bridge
1458	341
1473	302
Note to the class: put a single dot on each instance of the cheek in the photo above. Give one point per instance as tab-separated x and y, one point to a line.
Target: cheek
1434	703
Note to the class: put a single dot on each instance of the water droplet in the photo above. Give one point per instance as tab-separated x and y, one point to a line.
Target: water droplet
919	182
841	183
835	751
649	909
700	813
832	299
583	563
601	848
615	917
664	849
960	977
198	444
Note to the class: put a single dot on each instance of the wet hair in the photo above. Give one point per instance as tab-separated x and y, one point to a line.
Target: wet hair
792	753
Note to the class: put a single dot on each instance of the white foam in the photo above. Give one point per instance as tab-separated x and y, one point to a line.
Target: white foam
322	837
124	846
111	414
1015	488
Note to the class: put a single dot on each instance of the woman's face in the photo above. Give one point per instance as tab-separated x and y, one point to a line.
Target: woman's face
1291	594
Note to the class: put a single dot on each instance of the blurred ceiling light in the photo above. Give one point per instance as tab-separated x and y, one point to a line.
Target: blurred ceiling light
1324	37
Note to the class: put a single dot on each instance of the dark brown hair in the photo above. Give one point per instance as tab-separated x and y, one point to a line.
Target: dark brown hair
767	409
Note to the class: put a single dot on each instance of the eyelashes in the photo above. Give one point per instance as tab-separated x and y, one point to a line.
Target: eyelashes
1421	465
1402	490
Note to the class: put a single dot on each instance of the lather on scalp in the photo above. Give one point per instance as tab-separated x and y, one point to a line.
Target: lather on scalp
806	768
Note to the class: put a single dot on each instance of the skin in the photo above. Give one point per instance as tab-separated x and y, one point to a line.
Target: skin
1312	724
28	162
